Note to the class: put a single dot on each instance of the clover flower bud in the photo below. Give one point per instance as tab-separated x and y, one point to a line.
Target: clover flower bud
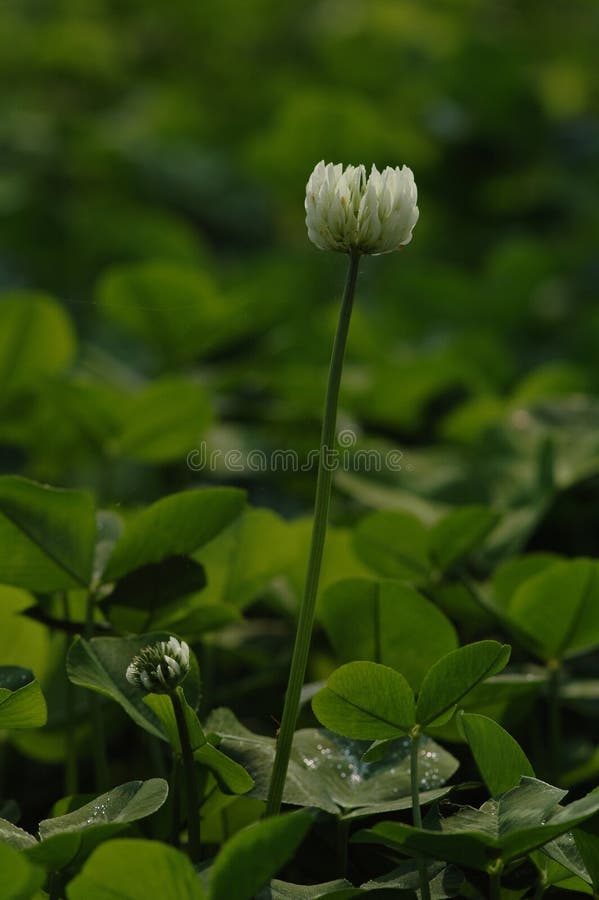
350	212
159	668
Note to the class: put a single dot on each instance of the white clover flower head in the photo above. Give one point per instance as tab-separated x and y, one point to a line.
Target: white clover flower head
350	212
159	668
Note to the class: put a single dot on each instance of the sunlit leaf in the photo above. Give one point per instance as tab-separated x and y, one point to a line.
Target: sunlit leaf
256	853
394	544
123	804
246	556
37	339
47	535
521	820
20	878
136	870
459	533
500	759
559	609
175	308
328	771
22	703
101	663
455	675
165	421
366	700
173	526
386	622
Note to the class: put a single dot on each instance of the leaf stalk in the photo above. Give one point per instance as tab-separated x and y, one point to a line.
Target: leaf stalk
192	792
416	811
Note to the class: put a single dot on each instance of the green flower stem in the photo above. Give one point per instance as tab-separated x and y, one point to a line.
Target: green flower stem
175	794
342	840
55	886
495	869
189	766
224	824
416	811
95	710
495	886
70	769
324	480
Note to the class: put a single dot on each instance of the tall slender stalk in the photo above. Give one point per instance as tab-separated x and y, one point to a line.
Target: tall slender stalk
55	886
192	793
342	839
95	709
495	886
175	795
495	868
417	813
70	768
324	480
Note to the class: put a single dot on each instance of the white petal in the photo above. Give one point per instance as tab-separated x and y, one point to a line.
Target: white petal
349	211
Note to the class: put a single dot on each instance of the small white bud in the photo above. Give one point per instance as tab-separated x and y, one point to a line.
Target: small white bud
159	668
350	212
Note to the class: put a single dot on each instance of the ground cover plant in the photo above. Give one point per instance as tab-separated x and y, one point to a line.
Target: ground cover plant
267	632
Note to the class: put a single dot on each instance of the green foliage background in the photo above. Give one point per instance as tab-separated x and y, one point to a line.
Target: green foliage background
154	161
159	298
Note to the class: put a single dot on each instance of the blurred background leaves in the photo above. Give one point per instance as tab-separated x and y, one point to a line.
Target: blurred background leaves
158	294
158	286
